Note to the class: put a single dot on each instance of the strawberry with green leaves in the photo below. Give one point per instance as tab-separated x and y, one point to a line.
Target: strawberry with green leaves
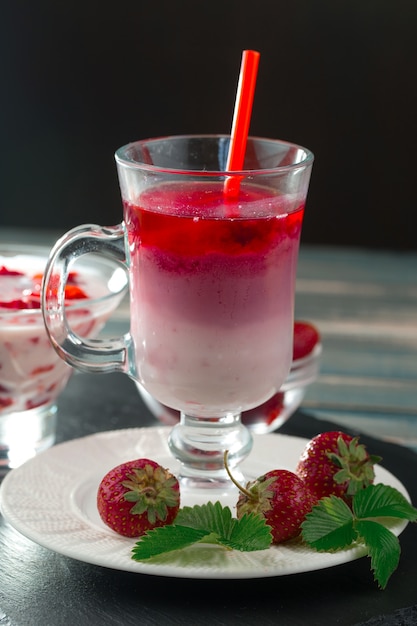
268	513
137	496
334	463
281	498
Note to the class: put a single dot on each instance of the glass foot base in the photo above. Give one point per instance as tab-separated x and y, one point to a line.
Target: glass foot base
200	444
216	481
24	434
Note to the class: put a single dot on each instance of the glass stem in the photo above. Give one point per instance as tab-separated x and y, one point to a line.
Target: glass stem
199	443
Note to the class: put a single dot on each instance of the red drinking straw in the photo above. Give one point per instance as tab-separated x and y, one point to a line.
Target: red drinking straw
241	119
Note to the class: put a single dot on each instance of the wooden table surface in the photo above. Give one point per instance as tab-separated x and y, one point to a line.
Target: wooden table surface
365	305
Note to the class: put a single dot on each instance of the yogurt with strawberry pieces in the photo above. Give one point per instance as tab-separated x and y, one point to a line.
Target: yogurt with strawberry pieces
31	372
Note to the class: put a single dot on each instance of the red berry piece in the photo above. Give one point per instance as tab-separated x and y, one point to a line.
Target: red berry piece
72	292
73	278
136	496
4	271
306	336
334	463
27	303
266	413
5	402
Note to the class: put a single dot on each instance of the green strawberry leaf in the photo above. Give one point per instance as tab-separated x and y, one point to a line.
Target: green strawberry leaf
209	517
165	539
382	501
329	525
207	523
249	533
246	534
383	548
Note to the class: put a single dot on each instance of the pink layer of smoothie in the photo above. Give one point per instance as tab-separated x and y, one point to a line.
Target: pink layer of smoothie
212	292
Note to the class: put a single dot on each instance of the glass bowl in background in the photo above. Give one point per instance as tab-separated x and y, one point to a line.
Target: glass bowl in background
32	375
274	412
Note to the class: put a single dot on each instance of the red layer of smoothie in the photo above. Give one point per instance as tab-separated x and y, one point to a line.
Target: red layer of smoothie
212	292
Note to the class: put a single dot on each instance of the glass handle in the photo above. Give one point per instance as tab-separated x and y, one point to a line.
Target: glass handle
88	355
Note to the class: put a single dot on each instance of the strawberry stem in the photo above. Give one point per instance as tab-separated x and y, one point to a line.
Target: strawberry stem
242	489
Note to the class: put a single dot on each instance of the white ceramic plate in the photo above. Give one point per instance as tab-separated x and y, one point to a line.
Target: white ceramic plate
51	499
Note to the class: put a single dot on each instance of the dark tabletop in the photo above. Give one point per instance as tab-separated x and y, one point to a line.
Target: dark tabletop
41	588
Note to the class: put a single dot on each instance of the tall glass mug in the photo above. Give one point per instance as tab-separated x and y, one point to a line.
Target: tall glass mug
211	257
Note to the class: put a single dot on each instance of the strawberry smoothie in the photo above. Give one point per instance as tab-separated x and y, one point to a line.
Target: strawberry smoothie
212	293
211	254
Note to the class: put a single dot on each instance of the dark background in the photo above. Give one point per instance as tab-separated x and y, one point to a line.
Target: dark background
80	79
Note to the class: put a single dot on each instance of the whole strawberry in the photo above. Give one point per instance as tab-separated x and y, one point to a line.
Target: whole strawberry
282	498
334	463
137	496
